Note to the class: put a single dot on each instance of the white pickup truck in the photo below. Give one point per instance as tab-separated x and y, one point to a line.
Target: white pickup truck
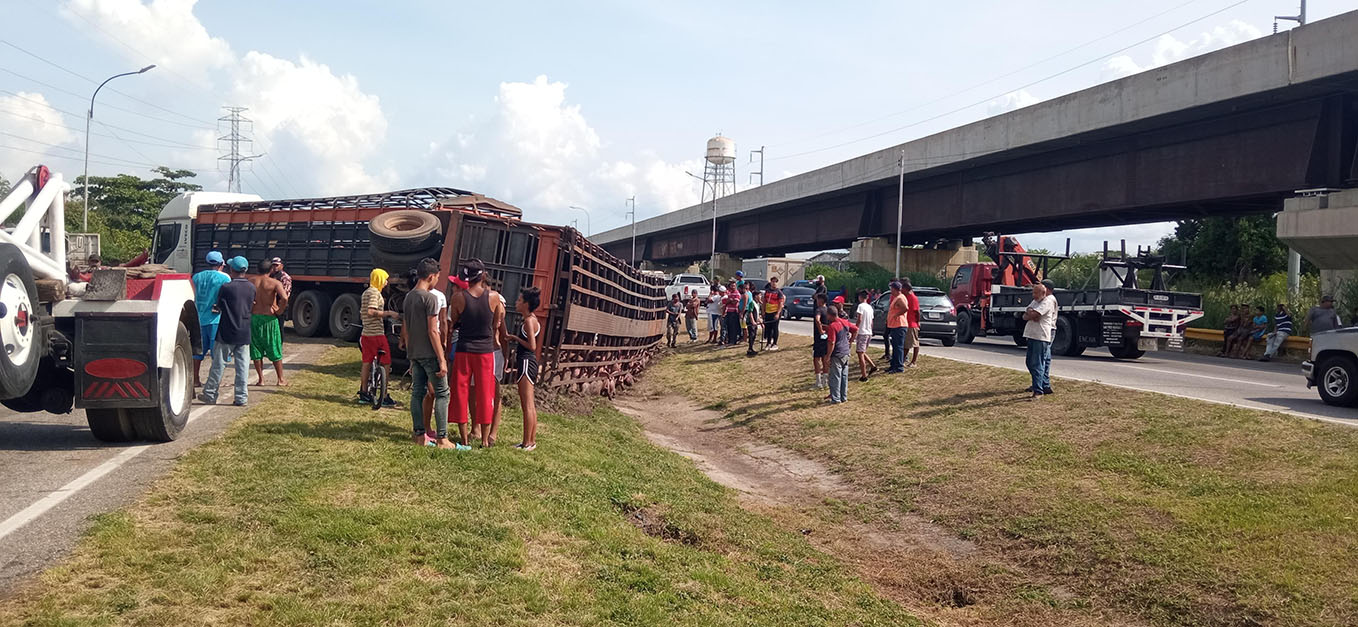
1333	367
686	284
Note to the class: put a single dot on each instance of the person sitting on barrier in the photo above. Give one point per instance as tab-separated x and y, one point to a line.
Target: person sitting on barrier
372	340
526	363
1254	332
1229	329
1282	329
479	311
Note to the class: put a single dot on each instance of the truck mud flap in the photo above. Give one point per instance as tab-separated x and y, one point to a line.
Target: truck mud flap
115	362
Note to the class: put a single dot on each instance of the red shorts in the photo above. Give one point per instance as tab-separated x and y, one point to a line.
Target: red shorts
370	344
473	376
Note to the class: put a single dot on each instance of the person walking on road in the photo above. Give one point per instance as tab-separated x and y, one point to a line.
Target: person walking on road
842	333
266	331
773	312
673	311
1282	329
423	345
1323	317
1040	327
897	321
480	312
372	339
235	301
864	314
205	287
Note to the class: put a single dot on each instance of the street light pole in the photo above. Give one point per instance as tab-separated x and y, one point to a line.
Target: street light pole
588	230
85	221
900	213
712	261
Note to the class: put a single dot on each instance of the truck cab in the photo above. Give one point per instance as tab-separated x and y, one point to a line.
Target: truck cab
172	242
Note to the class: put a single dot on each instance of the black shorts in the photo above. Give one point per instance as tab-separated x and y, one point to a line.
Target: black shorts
528	367
820	348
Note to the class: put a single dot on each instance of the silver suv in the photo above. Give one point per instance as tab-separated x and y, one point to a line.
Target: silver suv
1333	367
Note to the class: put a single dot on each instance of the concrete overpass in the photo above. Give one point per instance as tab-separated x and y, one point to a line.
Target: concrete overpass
1231	132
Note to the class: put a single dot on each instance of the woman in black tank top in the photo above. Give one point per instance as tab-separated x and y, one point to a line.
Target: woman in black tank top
527	363
478	315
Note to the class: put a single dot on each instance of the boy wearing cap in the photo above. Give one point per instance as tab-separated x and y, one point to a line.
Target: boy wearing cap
266	332
206	284
276	273
234	302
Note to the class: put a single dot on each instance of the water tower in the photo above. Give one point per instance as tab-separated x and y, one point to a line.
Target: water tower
719	168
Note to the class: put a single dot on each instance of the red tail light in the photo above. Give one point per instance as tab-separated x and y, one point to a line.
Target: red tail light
1132	323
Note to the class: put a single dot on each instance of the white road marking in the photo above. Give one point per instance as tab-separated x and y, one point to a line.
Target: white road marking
56	497
1201	376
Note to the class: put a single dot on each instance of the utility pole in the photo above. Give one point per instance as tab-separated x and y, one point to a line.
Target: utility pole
588	229
238	127
633	215
900	213
760	173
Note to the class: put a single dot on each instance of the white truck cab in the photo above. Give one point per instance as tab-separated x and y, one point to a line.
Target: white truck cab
1333	367
172	243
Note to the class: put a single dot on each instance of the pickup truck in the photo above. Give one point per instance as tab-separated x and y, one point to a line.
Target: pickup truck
1333	367
686	284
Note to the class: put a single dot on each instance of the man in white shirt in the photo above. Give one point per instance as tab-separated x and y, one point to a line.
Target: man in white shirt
1039	330
865	315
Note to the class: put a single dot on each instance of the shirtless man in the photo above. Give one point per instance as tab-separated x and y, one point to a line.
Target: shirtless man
266	332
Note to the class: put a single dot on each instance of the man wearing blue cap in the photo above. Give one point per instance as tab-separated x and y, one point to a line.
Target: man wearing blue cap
234	302
205	287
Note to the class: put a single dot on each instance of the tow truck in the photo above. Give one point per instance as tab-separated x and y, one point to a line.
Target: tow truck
118	346
1120	314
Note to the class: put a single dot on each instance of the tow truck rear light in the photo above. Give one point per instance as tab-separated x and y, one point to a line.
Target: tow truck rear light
1132	323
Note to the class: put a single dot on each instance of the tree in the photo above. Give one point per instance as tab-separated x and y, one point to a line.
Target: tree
1232	249
124	208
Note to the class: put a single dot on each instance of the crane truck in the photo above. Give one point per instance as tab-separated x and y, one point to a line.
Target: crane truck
1120	314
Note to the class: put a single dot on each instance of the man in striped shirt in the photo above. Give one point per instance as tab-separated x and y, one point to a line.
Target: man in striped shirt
1282	328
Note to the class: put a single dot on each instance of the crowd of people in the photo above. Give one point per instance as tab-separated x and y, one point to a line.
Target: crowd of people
241	318
1245	327
739	315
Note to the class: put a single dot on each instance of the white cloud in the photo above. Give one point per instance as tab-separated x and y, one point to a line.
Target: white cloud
28	115
1168	49
1010	101
319	128
539	152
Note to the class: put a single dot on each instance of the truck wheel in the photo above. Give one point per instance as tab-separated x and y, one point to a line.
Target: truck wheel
342	314
965	334
163	424
951	340
19	331
400	263
1123	351
1019	340
111	425
1337	378
311	314
1065	341
404	231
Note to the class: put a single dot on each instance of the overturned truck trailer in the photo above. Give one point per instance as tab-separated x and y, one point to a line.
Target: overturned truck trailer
602	320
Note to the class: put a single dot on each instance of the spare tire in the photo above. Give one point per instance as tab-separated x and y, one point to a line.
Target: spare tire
21	340
404	231
400	263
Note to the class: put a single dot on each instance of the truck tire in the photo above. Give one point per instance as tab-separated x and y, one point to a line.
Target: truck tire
404	231
1065	341
1337	379
163	423
965	334
111	425
400	263
21	346
343	313
311	314
1019	340
951	340
1123	351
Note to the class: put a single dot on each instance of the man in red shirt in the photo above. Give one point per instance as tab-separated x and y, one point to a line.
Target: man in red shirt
912	322
897	321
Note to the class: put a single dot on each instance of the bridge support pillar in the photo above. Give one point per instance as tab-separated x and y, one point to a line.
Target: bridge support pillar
726	265
939	260
1324	229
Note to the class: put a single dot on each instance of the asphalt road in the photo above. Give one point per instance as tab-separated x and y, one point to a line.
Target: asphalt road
1274	386
54	475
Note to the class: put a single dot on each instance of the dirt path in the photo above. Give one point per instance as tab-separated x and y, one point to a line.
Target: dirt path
925	567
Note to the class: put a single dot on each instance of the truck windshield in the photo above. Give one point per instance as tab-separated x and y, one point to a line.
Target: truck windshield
165	240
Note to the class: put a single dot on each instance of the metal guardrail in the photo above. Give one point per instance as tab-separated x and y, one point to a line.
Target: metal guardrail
1217	335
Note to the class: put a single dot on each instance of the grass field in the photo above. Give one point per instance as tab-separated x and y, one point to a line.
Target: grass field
311	510
1134	506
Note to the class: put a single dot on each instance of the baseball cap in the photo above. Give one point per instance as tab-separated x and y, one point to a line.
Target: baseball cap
1327	299
1049	284
239	264
839	299
276	260
820	277
215	258
721	288
895	285
740	273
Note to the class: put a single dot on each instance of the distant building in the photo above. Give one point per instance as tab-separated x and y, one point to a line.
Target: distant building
835	260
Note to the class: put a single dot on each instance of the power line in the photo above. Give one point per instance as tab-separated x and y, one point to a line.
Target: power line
48	155
77	151
109	126
1025	86
78	115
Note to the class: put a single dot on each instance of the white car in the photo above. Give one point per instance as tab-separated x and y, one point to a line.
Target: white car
686	284
1333	367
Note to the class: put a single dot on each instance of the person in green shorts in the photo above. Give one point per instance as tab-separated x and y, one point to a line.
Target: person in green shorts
266	333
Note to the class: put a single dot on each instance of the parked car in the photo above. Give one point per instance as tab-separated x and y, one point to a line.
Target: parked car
801	302
937	316
829	293
1333	367
685	284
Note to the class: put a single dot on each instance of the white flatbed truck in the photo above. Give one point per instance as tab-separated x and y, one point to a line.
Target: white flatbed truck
120	348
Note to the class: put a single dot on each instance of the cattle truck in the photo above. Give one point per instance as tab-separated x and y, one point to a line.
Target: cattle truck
1120	314
119	345
602	319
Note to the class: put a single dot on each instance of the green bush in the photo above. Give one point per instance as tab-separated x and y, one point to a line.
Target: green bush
1217	300
868	276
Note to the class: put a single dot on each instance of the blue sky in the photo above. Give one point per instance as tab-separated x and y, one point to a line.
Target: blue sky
551	104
